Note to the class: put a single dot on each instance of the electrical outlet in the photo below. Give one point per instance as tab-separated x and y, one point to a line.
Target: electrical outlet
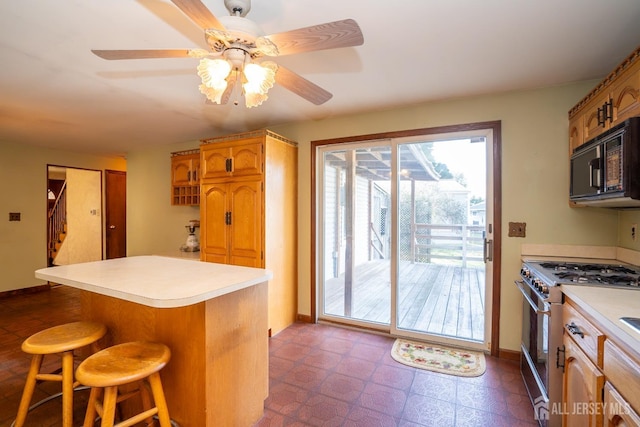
14	216
517	229
634	227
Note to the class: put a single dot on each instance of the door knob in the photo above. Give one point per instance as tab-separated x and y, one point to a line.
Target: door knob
112	227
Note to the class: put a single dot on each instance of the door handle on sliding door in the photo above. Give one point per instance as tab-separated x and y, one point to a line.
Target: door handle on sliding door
487	250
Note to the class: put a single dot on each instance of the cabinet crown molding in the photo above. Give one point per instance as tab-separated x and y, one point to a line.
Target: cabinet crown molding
628	61
248	135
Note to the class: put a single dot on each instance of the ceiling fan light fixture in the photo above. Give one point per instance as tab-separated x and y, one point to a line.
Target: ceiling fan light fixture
259	78
214	73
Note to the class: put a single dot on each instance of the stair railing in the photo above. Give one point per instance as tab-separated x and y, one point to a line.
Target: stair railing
57	219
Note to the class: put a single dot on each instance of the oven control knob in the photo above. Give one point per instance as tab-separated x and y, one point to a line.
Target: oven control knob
544	288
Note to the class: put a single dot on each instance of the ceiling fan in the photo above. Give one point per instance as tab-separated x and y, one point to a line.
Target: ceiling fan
237	48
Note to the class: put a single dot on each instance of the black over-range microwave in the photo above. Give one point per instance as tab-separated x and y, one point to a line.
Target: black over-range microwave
606	170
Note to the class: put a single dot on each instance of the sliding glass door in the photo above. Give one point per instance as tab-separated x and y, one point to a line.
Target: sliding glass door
405	235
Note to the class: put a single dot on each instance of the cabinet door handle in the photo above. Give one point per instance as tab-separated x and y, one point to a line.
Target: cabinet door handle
231	164
189	176
227	218
608	111
574	329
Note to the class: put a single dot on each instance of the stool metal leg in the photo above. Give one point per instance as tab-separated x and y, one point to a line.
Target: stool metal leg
30	385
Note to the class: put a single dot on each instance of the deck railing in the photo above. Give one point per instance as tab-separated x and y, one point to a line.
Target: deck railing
450	242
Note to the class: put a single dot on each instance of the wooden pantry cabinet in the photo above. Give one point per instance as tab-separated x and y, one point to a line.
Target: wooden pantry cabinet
185	178
601	383
248	211
613	100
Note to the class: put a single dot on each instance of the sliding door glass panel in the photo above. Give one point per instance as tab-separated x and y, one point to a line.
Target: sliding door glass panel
356	234
441	223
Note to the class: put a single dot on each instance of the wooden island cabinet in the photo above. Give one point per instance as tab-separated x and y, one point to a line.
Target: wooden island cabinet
213	317
248	211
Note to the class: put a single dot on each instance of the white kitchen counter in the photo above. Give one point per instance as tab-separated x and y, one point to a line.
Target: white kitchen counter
156	281
606	306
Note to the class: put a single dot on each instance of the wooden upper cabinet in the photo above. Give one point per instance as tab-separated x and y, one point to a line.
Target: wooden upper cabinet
597	117
185	177
576	133
612	101
239	158
625	94
184	168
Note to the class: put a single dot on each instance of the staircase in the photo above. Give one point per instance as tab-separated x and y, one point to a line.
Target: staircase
57	225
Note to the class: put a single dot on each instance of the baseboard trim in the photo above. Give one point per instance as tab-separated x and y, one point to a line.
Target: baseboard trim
305	318
509	354
25	291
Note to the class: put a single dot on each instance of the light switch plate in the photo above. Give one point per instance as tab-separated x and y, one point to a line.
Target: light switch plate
517	229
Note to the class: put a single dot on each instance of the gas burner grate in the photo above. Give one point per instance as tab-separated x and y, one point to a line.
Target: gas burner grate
598	268
618	280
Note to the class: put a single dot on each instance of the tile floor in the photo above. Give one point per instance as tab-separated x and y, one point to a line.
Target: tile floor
320	375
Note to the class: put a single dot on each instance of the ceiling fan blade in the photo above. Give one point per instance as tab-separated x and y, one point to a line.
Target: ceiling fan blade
198	13
331	35
144	54
301	86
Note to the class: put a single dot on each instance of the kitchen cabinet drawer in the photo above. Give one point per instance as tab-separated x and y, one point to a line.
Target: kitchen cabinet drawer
584	333
624	372
617	411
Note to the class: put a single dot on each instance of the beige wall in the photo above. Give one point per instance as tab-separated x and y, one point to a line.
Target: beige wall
23	186
534	176
153	225
535	183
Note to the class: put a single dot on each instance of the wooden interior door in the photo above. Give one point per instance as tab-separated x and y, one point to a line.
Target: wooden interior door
116	213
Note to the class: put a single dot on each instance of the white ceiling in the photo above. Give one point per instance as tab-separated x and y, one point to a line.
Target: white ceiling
54	92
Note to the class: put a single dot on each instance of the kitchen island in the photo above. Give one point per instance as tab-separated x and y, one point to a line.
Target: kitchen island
213	317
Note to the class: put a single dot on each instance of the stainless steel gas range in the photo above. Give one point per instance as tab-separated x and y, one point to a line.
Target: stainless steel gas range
542	359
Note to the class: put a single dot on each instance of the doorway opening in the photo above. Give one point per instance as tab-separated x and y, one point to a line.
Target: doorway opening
404	233
74	215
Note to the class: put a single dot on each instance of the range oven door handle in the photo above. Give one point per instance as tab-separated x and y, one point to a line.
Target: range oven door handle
534	306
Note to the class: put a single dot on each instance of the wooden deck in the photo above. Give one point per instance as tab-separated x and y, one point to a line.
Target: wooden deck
433	298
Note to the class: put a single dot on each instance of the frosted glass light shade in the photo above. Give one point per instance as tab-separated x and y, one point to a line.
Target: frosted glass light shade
259	79
214	73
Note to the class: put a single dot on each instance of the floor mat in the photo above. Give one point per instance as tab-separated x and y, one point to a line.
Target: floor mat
438	358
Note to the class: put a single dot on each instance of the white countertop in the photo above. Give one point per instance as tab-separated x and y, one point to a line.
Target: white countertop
156	281
607	306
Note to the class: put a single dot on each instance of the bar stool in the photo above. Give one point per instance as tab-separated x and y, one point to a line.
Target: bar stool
125	364
62	339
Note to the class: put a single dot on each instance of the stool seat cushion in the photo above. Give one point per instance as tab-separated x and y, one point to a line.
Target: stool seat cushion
122	364
69	336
